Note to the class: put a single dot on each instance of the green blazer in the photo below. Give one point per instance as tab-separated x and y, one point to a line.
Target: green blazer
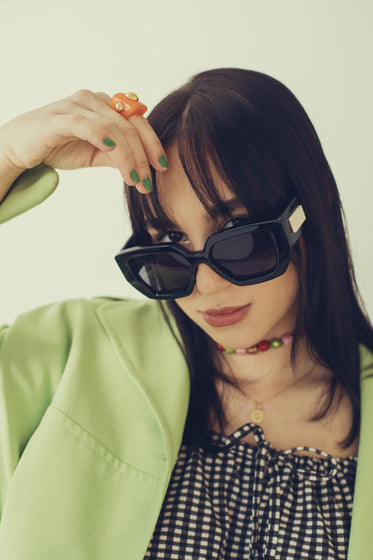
93	401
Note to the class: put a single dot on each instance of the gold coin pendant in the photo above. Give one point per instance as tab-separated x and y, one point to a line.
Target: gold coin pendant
257	416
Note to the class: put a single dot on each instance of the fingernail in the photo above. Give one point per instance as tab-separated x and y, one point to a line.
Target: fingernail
134	176
109	142
148	184
163	161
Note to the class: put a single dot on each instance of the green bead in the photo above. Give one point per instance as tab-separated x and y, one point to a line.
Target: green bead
228	351
276	343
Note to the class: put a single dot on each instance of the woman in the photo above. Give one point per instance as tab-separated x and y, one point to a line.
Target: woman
104	455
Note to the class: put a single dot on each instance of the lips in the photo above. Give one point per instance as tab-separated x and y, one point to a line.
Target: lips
225	316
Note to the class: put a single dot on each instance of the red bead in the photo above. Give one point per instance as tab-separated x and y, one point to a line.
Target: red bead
264	345
220	347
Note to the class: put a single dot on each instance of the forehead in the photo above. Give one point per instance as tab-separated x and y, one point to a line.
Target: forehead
176	175
177	196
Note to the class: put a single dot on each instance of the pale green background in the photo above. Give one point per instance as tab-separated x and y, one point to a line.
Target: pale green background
321	49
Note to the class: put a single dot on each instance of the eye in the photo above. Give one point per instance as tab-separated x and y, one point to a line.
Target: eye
172	237
236	221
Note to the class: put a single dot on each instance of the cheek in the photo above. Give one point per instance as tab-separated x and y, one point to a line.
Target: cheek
187	305
282	293
290	283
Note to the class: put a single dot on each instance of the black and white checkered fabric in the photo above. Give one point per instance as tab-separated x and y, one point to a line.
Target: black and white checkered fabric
231	500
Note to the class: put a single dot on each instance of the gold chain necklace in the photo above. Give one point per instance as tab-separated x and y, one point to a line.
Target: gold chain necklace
257	415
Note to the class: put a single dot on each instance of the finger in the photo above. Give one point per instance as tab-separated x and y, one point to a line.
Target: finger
89	99
134	142
97	107
104	97
129	154
97	131
133	149
142	141
153	148
71	124
101	159
152	145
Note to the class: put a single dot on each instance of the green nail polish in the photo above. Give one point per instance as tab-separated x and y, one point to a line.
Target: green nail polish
109	142
134	176
148	184
164	163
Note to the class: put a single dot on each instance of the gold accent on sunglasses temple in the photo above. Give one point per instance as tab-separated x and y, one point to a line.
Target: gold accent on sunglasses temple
297	218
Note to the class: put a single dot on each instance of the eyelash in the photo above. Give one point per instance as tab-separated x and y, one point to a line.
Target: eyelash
240	219
159	238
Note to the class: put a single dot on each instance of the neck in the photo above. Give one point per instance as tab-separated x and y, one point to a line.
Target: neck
266	373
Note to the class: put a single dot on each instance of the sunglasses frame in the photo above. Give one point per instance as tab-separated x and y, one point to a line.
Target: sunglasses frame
285	232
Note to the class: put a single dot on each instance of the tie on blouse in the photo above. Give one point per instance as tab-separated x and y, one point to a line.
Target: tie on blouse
232	500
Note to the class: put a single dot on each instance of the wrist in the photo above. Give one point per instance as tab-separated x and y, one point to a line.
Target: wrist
8	173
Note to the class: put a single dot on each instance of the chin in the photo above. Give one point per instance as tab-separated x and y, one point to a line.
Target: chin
235	339
241	337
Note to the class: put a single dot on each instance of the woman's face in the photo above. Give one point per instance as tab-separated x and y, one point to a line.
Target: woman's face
234	316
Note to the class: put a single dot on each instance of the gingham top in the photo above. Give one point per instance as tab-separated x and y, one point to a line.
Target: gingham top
230	499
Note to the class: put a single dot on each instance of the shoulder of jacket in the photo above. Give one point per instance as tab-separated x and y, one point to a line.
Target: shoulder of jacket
366	362
63	316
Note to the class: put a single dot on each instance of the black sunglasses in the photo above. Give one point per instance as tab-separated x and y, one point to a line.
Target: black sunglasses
243	255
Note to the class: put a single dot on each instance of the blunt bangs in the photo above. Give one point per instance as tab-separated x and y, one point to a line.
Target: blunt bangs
225	130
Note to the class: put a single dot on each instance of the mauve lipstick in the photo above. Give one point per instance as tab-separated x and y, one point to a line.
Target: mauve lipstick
225	316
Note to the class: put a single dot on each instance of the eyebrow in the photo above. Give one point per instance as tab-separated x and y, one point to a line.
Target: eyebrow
222	209
225	208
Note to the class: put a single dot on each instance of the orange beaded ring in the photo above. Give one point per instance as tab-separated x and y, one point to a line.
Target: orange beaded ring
127	104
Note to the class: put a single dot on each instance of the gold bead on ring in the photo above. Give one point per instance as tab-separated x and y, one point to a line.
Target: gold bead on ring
132	96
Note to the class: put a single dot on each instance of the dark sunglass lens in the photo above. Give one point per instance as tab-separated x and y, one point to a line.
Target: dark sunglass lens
162	272
246	255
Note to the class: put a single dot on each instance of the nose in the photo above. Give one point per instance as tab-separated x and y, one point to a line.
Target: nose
208	281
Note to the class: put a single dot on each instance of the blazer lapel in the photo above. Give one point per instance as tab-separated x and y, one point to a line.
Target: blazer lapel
361	536
155	361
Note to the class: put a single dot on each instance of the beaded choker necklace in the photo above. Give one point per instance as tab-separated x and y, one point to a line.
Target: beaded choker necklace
262	346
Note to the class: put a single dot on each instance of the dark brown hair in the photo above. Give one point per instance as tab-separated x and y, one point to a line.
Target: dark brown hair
266	150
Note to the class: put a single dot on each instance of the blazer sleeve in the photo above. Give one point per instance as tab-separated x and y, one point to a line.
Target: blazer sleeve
30	189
